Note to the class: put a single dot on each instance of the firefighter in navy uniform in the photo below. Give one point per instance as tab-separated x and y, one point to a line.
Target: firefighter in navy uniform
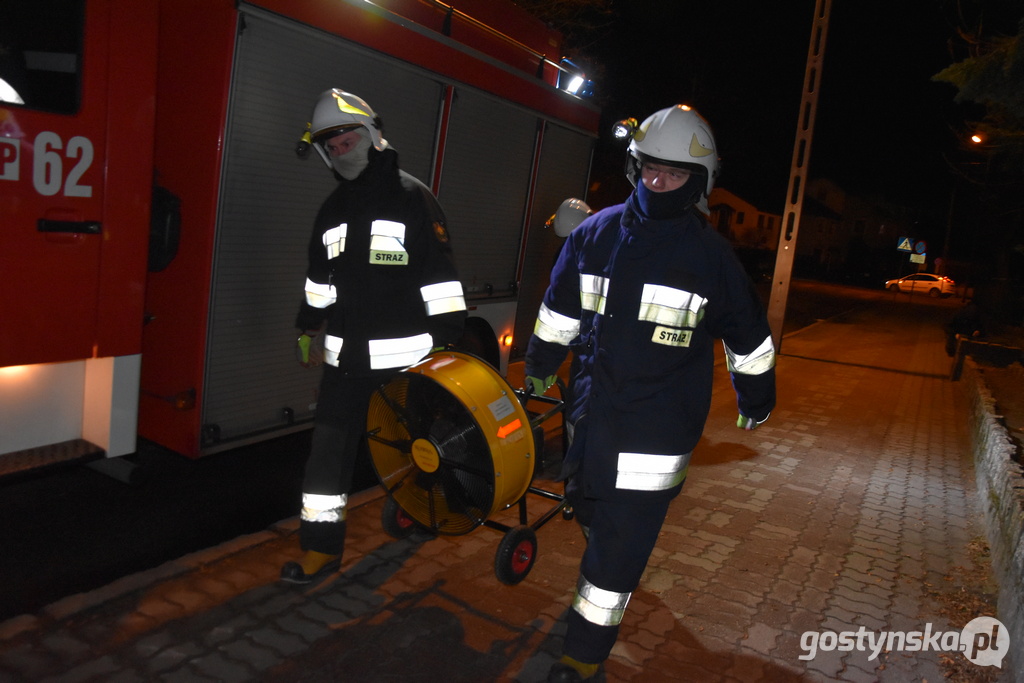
381	293
640	293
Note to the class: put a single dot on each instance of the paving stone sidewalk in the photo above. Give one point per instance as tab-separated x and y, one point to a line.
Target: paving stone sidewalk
849	508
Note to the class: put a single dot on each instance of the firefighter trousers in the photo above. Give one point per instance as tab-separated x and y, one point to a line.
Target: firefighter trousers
339	431
620	539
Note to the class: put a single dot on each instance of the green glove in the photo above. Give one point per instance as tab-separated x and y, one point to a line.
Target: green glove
747	423
539	386
302	349
309	349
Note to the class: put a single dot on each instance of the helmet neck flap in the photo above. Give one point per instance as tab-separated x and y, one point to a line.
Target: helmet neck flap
351	164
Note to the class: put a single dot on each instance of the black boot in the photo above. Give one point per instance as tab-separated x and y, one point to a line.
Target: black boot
568	670
563	673
313	566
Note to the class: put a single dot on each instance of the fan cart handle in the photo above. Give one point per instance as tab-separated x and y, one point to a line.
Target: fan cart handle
527	394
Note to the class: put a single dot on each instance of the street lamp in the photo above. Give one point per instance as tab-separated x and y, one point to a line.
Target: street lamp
970	144
977	139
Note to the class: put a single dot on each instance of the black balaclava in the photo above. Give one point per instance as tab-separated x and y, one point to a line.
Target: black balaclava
659	205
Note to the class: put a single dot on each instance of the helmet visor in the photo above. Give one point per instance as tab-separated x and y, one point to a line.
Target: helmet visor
325	135
683	165
636	159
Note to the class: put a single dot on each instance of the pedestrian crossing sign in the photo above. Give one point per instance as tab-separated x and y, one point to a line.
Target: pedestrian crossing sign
905	244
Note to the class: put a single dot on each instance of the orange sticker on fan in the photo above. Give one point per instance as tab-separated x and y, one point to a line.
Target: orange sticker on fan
512	426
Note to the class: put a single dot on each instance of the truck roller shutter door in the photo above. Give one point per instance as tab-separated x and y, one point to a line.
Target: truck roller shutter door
564	167
269	198
484	185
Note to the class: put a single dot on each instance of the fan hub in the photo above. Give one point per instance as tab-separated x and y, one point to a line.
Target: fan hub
425	455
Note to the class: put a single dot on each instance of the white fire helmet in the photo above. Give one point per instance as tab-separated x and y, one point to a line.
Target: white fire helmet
677	136
570	213
337	111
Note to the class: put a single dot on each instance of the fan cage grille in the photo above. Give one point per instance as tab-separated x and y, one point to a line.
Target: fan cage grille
459	495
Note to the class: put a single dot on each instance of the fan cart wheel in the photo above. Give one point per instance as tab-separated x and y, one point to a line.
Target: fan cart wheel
516	555
396	522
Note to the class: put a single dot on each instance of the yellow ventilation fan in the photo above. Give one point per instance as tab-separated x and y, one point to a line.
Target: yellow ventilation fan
452	445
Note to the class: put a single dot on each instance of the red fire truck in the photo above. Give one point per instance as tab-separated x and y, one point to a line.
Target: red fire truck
154	213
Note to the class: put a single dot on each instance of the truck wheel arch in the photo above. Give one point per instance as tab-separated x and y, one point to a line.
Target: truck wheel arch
478	339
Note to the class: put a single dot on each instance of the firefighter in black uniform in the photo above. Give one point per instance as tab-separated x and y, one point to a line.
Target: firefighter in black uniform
381	293
640	293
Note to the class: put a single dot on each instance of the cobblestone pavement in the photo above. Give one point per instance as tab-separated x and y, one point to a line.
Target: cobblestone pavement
839	513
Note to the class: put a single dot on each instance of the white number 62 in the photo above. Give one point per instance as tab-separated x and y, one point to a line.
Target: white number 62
48	165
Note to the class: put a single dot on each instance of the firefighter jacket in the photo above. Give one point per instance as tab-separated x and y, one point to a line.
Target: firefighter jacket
381	272
640	303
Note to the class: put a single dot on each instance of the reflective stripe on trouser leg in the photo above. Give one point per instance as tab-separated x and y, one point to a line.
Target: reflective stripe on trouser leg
323	537
598	606
336	441
322	524
326	509
622	536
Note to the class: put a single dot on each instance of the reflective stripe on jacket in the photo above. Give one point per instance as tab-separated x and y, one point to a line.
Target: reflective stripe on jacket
650	471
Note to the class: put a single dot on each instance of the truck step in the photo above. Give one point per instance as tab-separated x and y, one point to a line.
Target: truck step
63	453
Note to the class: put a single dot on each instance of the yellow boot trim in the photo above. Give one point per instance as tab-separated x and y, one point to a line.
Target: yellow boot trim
312	561
585	670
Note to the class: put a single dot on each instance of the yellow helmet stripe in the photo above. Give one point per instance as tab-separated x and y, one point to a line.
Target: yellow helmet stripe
348	108
697	149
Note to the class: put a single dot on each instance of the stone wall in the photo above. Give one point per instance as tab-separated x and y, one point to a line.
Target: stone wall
1001	489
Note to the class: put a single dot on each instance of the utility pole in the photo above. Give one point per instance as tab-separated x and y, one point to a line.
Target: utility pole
797	179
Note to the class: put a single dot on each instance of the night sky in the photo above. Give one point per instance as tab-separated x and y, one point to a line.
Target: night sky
882	124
